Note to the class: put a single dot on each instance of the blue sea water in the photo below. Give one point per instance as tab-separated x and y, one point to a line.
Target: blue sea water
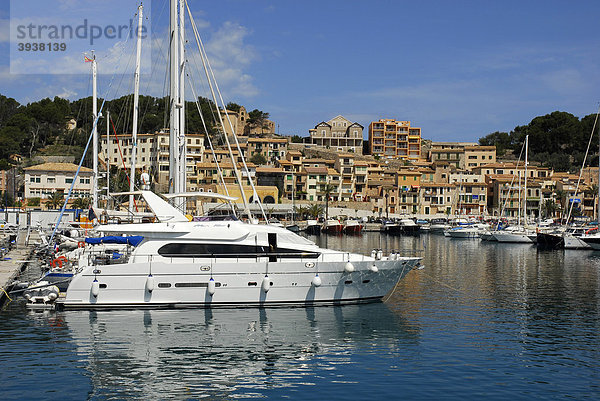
480	320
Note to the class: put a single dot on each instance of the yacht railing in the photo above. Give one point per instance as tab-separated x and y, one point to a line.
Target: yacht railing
104	258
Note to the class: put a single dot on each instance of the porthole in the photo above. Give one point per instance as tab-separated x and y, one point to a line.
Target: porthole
348	282
102	285
366	281
164	285
252	284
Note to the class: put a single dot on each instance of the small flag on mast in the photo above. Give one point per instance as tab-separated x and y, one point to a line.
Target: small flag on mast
87	59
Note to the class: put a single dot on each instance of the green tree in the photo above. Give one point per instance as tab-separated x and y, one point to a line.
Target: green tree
56	200
549	207
258	159
233	107
501	140
33	201
81	203
258	119
315	210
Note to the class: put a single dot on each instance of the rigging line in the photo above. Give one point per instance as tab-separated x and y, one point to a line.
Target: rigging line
208	77
206	64
122	160
192	85
211	147
510	187
583	165
81	104
62	211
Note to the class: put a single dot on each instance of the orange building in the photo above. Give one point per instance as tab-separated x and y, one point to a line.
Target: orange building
393	139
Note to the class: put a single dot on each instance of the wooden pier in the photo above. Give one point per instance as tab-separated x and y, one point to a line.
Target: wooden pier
13	262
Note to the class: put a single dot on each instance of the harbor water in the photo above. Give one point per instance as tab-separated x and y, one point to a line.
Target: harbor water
501	321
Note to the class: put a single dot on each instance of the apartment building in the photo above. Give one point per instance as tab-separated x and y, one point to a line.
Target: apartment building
206	173
152	154
463	155
345	166
452	157
436	198
393	139
476	156
338	134
515	169
271	148
408	183
43	180
360	180
317	179
506	196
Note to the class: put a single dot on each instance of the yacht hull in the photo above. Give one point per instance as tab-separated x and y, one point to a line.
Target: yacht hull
512	237
238	284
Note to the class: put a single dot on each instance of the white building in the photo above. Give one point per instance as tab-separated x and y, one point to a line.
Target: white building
43	180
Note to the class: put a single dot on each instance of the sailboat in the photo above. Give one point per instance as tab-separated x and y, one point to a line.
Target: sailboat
223	261
519	233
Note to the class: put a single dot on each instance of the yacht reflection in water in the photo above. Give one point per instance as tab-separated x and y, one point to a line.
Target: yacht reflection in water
216	353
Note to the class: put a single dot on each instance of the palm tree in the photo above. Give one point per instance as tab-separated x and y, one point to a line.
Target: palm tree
550	208
315	210
56	199
327	189
81	203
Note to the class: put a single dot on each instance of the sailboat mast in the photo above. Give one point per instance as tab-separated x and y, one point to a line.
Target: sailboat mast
525	191
107	157
136	106
182	145
174	104
94	133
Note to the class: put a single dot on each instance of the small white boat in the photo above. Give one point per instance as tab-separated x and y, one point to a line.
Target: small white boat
469	231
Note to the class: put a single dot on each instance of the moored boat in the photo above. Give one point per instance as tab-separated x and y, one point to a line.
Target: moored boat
352	226
332	226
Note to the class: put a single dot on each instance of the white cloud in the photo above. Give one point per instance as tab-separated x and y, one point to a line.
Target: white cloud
67	94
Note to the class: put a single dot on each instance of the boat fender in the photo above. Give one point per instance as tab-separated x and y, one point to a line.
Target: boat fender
150	283
316	281
349	267
266	283
81	244
392	256
95	288
212	287
374	253
374	268
379	254
53	294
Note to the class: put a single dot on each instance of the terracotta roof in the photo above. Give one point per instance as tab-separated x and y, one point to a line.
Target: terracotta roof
320	170
67	167
269	170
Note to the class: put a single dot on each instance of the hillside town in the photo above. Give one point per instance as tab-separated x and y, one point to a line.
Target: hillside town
395	172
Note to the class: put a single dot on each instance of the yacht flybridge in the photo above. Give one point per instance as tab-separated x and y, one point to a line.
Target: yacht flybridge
226	263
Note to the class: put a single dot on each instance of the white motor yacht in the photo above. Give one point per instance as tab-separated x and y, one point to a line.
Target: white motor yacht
227	263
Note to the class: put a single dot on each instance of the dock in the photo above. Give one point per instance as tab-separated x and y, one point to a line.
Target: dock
13	262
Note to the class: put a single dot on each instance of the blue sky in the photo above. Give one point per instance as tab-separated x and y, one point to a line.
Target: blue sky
458	69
